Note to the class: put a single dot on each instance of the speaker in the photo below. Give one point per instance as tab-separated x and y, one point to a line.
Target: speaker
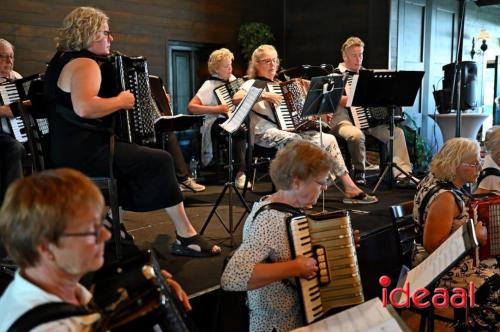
468	84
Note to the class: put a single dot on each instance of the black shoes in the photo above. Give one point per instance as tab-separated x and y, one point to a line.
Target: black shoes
359	177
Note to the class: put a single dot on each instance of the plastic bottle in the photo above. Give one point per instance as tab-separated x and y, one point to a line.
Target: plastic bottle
193	167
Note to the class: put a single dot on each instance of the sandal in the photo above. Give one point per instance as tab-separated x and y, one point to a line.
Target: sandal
361	198
194	246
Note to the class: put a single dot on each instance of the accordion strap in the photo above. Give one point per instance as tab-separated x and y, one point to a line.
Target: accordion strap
279	207
489	171
45	313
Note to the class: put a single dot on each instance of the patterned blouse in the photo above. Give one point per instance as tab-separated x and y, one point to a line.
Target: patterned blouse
277	305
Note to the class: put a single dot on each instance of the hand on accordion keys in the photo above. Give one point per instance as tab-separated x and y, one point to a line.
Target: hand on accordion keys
126	99
306	267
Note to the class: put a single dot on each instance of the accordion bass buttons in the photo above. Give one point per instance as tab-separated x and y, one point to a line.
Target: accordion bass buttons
320	255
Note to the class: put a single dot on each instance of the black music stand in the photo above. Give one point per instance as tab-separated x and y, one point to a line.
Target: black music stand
386	88
323	97
231	125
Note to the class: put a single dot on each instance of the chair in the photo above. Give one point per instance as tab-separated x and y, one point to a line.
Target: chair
403	226
371	144
404	231
38	136
256	157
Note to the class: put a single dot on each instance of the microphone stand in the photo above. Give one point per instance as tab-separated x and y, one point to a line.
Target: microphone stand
457	76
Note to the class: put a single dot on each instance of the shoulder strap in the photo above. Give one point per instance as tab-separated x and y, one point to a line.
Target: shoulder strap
280	207
440	185
45	313
489	171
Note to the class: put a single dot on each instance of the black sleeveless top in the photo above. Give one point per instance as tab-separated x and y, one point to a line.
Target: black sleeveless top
75	141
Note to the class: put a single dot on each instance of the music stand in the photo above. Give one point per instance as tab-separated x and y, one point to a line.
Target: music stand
386	88
231	125
323	97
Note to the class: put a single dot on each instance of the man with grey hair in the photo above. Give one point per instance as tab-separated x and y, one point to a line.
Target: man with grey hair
342	125
11	151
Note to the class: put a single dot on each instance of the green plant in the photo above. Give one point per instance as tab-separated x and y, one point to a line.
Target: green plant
251	35
416	143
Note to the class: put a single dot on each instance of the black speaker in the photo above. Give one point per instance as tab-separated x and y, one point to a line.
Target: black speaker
468	84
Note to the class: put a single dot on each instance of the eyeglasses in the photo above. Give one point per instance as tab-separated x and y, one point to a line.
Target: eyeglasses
270	61
5	57
96	233
477	164
106	33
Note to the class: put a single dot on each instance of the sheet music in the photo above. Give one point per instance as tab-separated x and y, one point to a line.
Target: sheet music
370	316
240	113
441	259
351	89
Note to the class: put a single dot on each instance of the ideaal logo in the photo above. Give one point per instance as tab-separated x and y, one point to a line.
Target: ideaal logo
440	297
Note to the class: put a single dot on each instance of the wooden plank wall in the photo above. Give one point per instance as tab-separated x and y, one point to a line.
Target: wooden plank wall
140	27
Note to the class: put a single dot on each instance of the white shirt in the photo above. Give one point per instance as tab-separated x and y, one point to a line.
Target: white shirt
490	182
259	124
207	97
21	295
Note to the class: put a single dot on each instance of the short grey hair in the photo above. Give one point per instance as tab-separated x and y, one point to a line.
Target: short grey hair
5	43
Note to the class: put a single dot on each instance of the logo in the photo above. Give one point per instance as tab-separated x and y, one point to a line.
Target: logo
400	297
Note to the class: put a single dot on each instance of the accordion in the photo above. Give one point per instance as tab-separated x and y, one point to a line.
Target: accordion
135	125
288	114
364	118
225	92
487	210
327	237
10	92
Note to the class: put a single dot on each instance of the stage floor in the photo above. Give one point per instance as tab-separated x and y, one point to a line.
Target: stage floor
153	230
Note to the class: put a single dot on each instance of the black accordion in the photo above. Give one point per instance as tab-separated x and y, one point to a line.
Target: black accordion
288	114
135	125
225	92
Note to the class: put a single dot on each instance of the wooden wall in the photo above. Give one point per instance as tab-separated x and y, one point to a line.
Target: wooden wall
140	27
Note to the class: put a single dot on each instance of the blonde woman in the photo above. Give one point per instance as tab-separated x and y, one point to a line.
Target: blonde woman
82	119
205	102
262	70
440	209
489	179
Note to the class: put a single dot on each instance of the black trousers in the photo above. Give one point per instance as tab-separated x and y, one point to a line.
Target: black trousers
11	157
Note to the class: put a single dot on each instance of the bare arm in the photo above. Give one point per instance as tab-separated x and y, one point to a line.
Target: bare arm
5	111
266	273
195	106
82	78
439	220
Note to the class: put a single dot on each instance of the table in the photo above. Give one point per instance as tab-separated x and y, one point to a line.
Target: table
471	122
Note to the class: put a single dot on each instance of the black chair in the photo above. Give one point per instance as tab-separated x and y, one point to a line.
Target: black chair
404	231
371	144
37	130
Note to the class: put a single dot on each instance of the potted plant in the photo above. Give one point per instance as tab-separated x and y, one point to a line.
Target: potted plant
251	35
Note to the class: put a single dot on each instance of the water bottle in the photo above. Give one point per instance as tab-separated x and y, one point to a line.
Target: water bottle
193	167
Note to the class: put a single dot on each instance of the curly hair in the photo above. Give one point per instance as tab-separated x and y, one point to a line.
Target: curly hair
40	207
350	42
216	57
80	28
445	163
256	56
301	159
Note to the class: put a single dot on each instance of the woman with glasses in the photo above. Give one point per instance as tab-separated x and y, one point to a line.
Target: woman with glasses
82	119
263	264
440	208
262	69
51	226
